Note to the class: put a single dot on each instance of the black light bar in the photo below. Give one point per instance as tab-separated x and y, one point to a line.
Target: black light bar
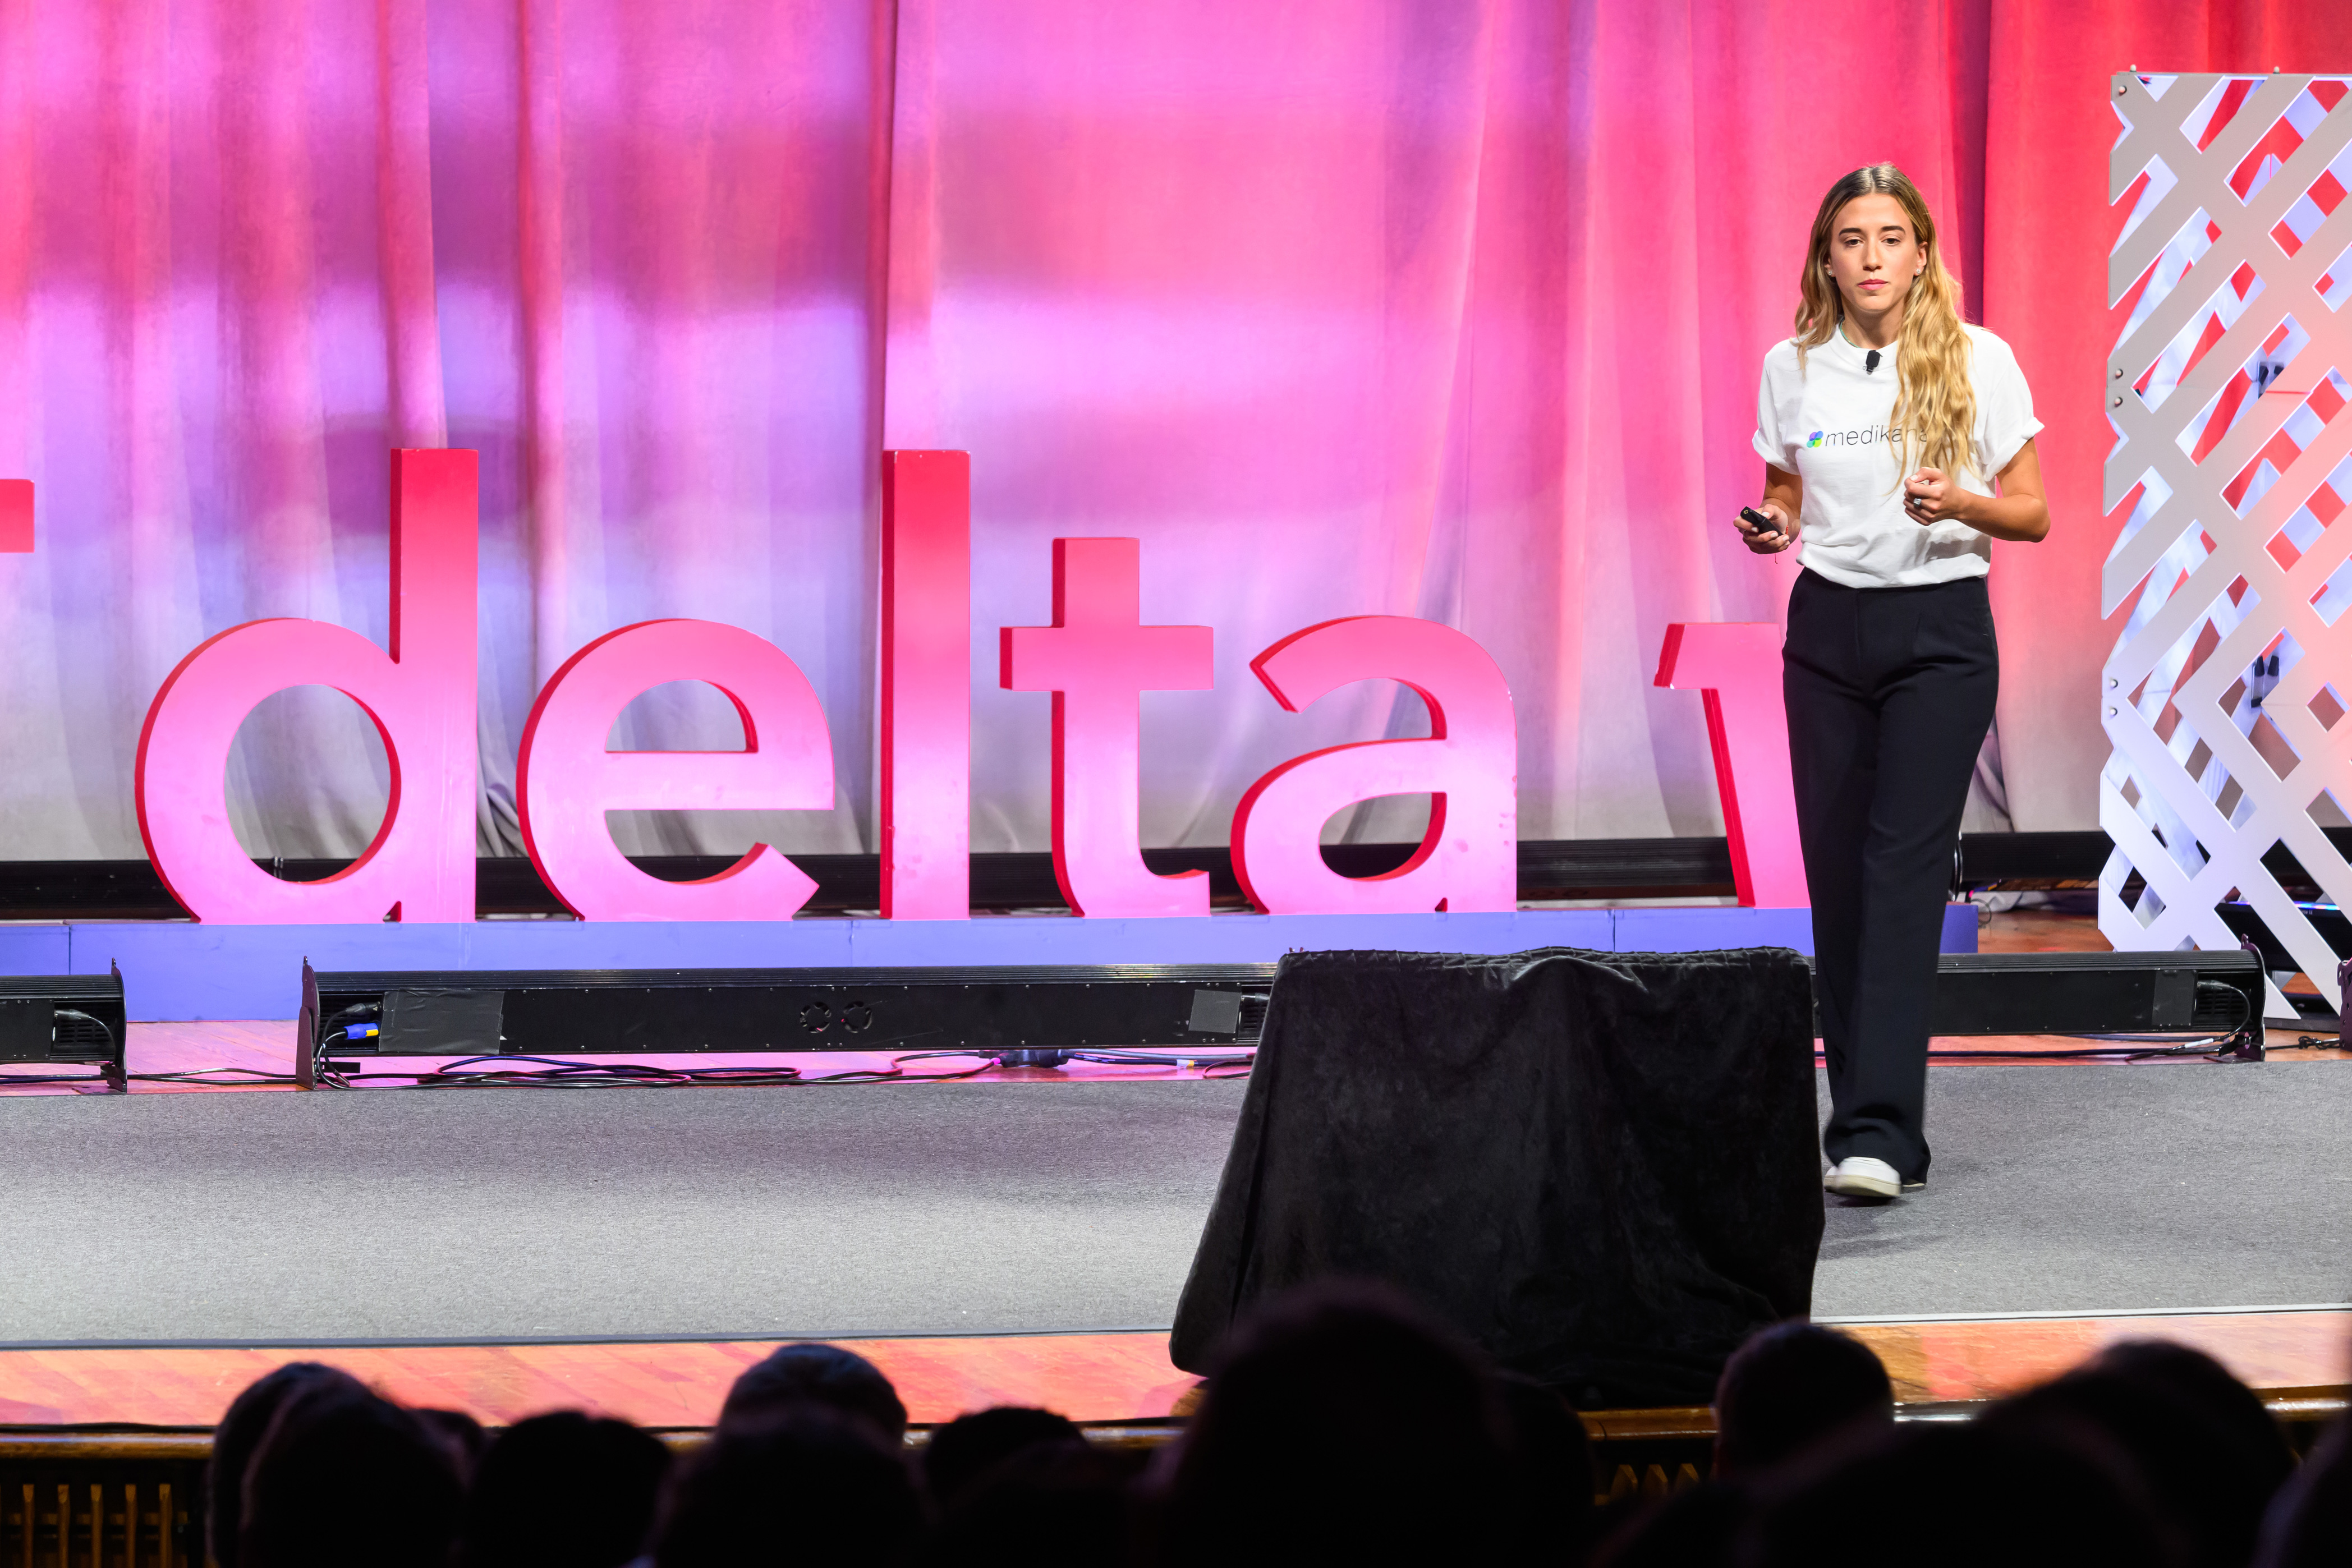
2100	993
633	1012
65	1020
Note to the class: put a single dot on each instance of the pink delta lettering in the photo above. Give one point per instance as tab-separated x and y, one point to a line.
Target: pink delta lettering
1092	663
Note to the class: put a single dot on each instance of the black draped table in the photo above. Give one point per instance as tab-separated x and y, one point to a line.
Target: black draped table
1602	1167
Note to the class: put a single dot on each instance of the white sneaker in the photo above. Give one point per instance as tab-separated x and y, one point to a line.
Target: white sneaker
1863	1177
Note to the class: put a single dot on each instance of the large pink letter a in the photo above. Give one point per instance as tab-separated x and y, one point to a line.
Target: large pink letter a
1469	766
421	866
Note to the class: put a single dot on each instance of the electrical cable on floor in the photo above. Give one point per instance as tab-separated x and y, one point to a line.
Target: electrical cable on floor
2126	1052
201	1077
554	1072
2129	1048
247	1077
1163	1059
1229	1065
551	1073
1205	1062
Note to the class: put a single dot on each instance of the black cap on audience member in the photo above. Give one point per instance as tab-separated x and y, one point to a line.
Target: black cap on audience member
1789	1387
816	1374
805	1487
241	1429
563	1490
344	1480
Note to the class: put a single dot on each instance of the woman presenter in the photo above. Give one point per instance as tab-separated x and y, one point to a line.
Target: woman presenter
1899	444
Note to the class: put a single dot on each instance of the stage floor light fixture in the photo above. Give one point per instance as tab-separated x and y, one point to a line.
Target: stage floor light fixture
62	1020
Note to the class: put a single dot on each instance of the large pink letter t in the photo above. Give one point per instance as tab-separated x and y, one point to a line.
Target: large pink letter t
1095	659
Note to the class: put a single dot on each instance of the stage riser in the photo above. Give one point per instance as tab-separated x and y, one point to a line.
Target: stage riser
177	970
1557	868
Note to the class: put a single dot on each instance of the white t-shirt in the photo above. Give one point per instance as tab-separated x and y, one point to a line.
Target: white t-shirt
1827	425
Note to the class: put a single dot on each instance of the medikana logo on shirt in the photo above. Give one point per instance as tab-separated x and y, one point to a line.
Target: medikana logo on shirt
1868	436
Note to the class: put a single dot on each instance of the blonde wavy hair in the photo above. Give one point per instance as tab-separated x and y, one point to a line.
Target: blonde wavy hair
1935	401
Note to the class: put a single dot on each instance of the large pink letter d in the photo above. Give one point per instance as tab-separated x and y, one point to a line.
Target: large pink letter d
421	696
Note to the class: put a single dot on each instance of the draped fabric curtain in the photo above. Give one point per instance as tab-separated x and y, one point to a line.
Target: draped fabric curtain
1439	307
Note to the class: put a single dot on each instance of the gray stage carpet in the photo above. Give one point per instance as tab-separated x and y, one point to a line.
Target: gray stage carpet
2163	1186
520	1213
962	1209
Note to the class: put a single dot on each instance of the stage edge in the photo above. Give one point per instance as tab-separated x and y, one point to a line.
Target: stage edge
180	970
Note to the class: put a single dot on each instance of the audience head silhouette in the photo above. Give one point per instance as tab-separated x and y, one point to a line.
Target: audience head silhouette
1341	1425
344	1480
970	1446
460	1434
2203	1449
1958	1497
1789	1387
241	1429
1552	1466
1054	1504
565	1490
805	1487
2310	1524
813	1374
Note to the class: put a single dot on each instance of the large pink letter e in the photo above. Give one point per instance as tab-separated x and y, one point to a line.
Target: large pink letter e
565	781
421	696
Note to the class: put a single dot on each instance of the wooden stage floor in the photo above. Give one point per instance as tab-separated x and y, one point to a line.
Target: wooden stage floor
2292	1356
1099	1378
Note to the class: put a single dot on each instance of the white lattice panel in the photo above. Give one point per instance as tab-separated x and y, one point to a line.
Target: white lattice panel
2226	694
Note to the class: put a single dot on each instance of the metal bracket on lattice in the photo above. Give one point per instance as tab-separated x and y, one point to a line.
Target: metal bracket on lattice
2225	695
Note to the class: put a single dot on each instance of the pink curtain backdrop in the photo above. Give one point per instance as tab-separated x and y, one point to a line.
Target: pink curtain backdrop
1437	308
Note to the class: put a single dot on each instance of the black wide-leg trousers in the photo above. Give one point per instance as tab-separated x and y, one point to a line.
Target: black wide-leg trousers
1890	692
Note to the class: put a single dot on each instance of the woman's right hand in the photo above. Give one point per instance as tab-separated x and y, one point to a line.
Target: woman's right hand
1774	539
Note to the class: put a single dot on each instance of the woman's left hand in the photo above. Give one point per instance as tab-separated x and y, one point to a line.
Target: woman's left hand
1930	496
